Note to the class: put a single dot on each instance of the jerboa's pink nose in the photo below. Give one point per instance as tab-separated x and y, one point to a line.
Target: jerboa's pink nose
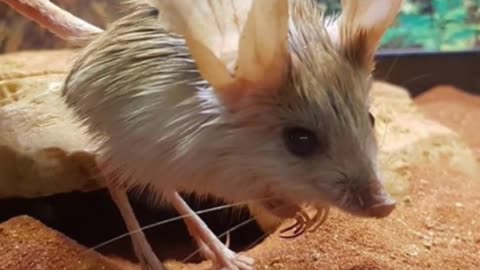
375	200
382	209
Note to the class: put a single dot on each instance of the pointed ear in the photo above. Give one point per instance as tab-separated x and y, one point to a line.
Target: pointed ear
361	27
240	46
264	57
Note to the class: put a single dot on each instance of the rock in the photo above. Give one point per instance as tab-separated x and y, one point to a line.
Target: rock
26	243
455	109
43	148
35	63
408	139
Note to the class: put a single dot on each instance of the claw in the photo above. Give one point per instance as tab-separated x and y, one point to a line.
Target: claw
320	217
303	222
227	241
301	219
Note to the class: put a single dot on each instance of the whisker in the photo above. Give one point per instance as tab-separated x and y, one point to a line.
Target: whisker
390	236
389	159
360	200
384	135
422	76
344	200
236	227
264	235
390	69
304	218
144	228
408	228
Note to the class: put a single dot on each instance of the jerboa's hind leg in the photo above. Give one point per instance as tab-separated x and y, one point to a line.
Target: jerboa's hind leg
212	248
142	248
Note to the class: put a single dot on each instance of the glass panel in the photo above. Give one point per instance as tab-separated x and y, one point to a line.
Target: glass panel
432	25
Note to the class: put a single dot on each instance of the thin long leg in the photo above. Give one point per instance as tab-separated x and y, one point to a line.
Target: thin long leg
224	258
143	250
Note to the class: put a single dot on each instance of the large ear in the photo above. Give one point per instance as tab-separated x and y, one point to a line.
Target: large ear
362	25
240	46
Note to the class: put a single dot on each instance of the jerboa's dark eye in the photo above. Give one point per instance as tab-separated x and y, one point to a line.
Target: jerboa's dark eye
300	141
372	119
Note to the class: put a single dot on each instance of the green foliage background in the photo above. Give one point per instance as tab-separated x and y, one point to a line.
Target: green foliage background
432	25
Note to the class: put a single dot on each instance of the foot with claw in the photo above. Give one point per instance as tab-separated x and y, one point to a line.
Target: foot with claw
231	261
304	222
235	261
211	247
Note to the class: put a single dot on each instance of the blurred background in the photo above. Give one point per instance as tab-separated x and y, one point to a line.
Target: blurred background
439	25
432	25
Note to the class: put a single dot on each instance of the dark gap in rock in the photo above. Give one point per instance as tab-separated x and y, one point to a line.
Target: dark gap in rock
92	218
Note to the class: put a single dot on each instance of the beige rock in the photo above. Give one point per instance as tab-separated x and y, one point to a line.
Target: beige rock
456	109
43	148
407	139
35	63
